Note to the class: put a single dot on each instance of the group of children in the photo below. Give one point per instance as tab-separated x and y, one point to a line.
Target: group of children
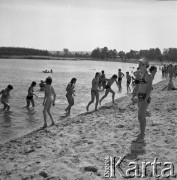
98	82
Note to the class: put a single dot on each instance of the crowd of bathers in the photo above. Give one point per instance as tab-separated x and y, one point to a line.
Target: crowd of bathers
141	80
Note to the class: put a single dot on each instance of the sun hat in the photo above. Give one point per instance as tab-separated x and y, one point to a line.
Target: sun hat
144	61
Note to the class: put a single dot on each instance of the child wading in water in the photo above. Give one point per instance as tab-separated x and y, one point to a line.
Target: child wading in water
69	95
108	87
49	99
29	97
5	97
94	91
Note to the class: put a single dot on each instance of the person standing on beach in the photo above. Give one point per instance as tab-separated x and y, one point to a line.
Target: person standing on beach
108	88
49	99
144	91
29	97
6	96
94	91
128	82
69	95
120	76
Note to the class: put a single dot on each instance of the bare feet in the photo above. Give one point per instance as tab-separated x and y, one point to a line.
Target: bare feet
53	123
44	126
139	139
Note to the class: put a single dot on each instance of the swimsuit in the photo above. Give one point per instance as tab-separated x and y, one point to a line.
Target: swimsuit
108	87
95	92
142	97
29	97
137	81
128	82
119	79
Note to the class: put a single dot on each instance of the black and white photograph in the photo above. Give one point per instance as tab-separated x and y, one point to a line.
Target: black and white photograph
88	89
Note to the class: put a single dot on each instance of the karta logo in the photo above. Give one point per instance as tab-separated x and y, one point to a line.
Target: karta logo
158	169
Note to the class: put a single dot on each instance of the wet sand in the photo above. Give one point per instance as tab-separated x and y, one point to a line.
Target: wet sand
77	146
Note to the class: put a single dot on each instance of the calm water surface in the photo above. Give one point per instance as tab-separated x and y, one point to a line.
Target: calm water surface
20	73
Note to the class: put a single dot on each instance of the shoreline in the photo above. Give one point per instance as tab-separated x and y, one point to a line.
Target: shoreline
155	62
35	130
76	147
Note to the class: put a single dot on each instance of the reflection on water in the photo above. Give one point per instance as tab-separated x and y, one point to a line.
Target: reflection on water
22	72
7	119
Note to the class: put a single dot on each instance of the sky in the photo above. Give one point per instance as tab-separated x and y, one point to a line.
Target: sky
83	25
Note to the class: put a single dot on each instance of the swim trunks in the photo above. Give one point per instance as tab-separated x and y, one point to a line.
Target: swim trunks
29	97
107	87
119	79
95	92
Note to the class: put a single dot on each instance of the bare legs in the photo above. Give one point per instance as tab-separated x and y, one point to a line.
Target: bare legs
93	95
142	119
106	93
6	106
46	111
28	102
71	103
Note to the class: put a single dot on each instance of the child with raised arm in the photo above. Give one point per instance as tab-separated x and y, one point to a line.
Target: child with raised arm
5	97
108	87
49	99
69	95
29	97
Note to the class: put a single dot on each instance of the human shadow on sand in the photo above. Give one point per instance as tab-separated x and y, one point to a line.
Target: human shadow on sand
136	149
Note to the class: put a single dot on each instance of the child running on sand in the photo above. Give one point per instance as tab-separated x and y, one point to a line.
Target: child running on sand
49	99
108	87
94	91
128	81
69	95
29	97
5	97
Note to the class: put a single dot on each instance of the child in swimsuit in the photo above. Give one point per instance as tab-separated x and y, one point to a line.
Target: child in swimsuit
94	91
108	88
49	99
69	95
5	97
128	81
29	97
120	76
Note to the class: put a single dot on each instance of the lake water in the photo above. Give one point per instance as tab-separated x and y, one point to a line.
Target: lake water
20	73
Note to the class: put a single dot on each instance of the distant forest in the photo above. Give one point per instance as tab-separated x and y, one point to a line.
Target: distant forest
169	54
17	51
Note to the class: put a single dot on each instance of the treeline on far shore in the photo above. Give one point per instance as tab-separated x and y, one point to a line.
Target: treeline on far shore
168	54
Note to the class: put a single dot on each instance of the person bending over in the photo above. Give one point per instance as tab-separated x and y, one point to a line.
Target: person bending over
108	87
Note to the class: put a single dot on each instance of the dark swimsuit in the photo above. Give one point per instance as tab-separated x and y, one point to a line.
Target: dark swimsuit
142	96
119	79
137	81
128	82
107	87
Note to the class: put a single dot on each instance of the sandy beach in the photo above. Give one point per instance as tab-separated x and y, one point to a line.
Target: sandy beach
75	149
